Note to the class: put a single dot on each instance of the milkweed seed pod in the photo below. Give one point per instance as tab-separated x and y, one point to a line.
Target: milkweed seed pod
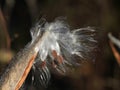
59	48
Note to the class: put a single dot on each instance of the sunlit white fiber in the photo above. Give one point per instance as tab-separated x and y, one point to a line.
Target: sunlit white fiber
65	42
114	40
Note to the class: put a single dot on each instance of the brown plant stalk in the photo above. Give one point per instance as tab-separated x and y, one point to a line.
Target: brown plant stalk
19	67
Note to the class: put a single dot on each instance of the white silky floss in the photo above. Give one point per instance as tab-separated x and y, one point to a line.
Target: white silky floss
66	43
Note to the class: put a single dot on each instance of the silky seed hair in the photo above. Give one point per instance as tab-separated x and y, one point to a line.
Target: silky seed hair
59	47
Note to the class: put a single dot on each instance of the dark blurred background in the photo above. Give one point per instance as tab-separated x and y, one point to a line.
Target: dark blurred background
18	16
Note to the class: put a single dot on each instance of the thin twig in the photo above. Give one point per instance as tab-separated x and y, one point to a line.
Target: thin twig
116	54
4	28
